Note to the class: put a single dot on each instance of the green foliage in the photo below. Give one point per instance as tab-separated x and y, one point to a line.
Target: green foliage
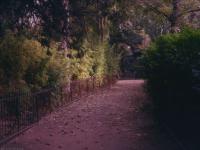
112	60
100	65
98	60
35	75
58	69
81	62
24	63
168	67
21	60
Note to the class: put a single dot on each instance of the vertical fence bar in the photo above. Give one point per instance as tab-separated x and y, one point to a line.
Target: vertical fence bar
61	93
87	84
99	83
1	118
17	112
71	91
36	107
79	86
93	83
4	115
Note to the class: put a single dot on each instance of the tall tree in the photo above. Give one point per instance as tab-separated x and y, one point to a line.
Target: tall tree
52	17
172	10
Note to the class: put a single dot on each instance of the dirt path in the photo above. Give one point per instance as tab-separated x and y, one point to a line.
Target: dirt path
111	120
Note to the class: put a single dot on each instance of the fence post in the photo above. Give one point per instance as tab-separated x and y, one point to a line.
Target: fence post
71	90
18	109
79	86
36	106
93	82
99	83
61	94
110	81
87	86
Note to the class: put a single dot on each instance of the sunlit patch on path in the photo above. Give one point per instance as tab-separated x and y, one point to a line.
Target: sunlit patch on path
109	120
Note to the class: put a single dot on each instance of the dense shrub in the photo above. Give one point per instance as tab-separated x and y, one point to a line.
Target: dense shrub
96	59
22	62
168	67
82	61
25	64
59	69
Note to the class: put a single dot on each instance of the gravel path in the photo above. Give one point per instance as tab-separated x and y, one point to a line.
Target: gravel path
109	120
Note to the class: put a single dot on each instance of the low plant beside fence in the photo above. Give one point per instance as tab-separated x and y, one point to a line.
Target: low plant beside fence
19	109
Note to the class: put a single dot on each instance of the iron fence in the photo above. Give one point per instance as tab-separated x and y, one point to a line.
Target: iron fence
19	110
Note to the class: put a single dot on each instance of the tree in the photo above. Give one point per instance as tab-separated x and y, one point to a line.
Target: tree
49	16
172	10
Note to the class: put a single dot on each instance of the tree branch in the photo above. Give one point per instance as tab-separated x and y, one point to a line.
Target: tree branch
157	11
189	11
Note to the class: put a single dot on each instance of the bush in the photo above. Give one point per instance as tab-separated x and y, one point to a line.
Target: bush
24	64
168	67
92	59
58	69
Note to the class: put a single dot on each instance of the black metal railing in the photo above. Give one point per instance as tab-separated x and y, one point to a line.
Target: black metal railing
19	110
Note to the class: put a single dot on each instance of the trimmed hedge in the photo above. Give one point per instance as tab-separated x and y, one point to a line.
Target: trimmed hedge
169	65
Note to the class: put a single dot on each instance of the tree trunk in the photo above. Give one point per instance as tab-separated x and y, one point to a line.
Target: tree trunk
173	19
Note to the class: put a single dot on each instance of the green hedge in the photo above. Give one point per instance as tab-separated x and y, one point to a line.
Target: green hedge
168	67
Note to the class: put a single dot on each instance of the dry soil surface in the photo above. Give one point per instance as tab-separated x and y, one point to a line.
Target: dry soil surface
112	119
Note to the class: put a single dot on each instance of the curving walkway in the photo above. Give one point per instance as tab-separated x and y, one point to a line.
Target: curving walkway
109	120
